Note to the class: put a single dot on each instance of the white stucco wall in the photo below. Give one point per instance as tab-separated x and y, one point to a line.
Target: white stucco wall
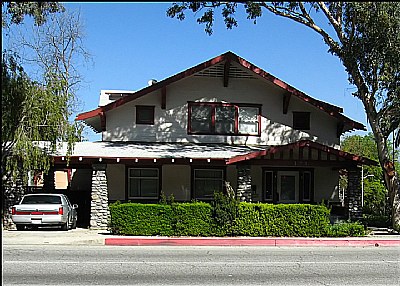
116	181
171	124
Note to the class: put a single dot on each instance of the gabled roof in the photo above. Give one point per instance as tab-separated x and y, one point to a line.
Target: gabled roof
227	57
301	144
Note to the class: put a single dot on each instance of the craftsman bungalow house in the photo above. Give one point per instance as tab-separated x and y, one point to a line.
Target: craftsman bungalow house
224	120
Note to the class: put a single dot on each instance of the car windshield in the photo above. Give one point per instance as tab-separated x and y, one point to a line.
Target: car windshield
41	200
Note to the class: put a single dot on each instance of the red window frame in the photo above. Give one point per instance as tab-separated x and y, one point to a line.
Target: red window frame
213	106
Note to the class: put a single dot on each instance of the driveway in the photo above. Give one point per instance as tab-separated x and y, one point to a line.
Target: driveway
54	236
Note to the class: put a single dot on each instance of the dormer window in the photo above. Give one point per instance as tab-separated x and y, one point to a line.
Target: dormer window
224	118
301	120
144	114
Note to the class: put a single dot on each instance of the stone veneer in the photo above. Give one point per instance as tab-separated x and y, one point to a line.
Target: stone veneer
12	194
353	194
244	191
100	213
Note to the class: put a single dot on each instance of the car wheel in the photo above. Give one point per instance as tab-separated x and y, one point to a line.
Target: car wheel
65	226
20	227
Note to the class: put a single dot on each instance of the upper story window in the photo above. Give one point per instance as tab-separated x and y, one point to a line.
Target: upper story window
301	120
224	118
144	114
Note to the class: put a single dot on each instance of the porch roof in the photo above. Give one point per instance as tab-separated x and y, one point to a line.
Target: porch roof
145	150
226	154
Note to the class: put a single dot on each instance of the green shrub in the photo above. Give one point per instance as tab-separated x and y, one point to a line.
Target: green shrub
376	220
281	220
346	229
192	219
227	216
225	211
141	219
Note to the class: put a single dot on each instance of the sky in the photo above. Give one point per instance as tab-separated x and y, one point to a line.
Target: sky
133	42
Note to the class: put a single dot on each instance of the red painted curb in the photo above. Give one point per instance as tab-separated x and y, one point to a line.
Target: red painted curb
249	242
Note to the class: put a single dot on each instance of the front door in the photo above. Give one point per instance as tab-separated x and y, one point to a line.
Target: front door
288	186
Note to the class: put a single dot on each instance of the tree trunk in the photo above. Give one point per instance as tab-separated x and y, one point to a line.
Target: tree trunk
390	176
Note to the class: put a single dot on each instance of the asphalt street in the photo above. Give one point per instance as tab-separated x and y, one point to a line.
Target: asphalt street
199	265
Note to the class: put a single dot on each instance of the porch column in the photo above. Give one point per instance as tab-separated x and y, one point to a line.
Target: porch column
244	191
99	211
353	194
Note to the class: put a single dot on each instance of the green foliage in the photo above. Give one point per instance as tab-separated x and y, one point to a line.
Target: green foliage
38	110
31	113
15	12
198	219
225	209
281	220
372	220
192	219
346	229
141	219
375	191
375	198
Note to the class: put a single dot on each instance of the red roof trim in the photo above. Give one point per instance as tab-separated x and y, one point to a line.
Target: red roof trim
298	144
332	110
89	114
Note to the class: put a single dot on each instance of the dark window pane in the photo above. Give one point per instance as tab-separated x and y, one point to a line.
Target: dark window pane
248	120
134	187
41	200
200	120
149	173
225	119
145	115
268	185
288	188
206	182
301	120
217	174
306	186
149	187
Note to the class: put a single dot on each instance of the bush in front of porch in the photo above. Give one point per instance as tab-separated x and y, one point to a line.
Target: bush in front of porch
233	219
304	220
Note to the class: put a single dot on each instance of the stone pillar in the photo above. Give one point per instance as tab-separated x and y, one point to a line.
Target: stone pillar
100	213
12	193
244	191
352	198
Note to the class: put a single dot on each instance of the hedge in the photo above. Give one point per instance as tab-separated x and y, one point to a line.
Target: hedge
184	219
141	219
257	219
246	219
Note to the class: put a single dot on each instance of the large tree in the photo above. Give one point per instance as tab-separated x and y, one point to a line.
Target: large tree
365	37
39	81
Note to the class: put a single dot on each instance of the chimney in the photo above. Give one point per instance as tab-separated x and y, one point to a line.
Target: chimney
151	82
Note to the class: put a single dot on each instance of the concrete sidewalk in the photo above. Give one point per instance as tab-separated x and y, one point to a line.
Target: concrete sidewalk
82	236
